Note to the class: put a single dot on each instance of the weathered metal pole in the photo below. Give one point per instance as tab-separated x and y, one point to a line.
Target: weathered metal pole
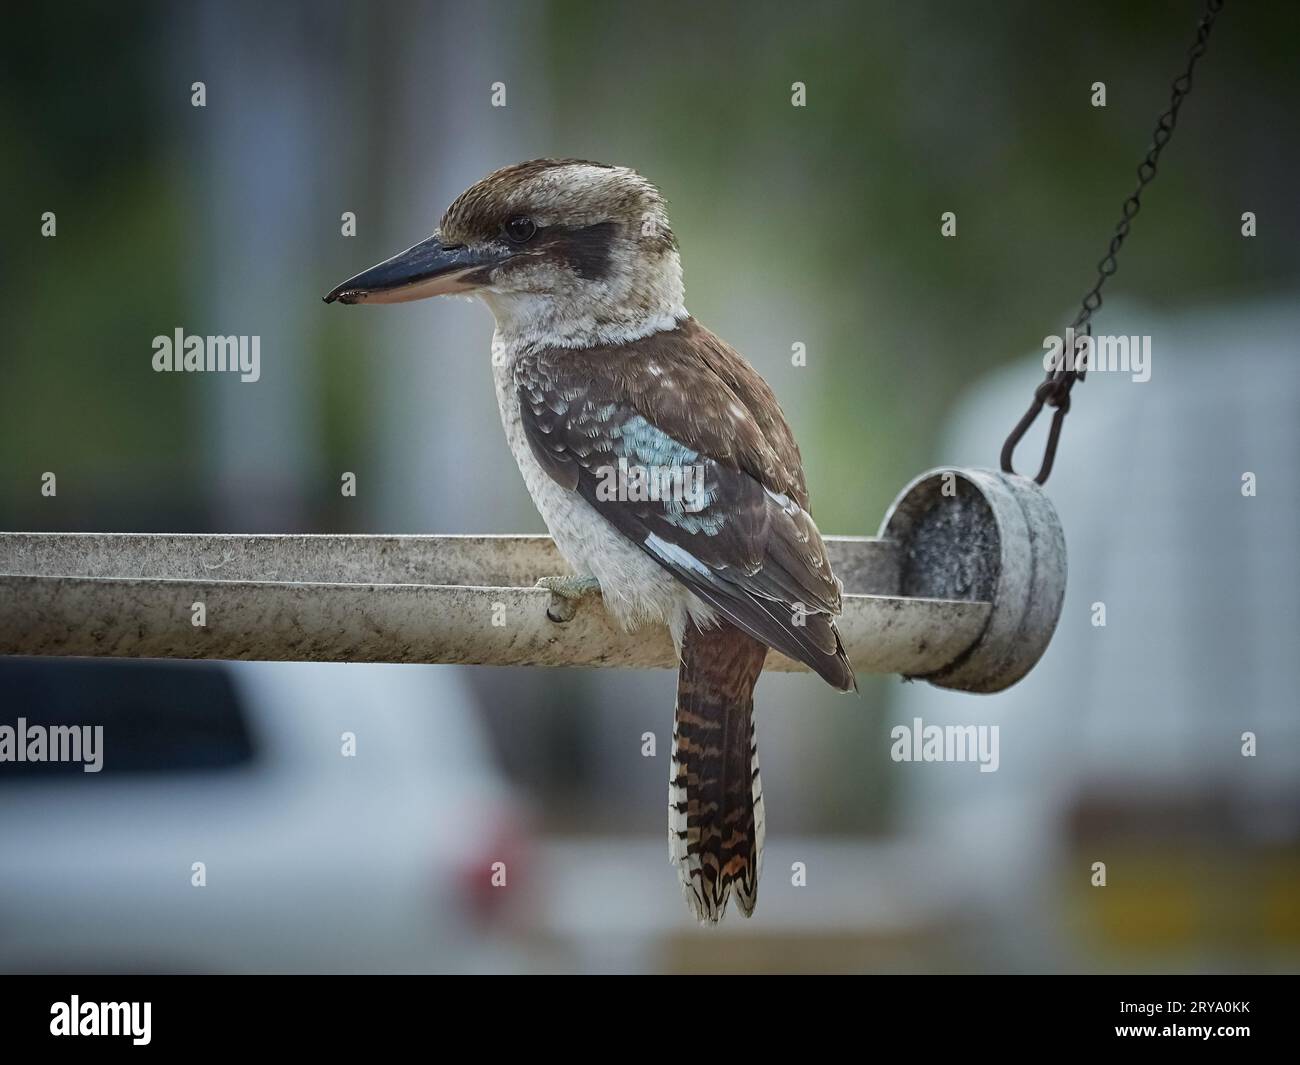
263	597
964	589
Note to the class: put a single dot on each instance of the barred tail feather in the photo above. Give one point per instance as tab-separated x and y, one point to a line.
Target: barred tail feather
715	796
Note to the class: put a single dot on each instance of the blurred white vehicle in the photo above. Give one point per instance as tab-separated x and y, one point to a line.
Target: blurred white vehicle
1127	743
314	861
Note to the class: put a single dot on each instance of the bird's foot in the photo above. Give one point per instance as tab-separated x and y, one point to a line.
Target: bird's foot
565	593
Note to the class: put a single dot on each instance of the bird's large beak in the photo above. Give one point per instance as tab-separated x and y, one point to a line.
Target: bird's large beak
430	268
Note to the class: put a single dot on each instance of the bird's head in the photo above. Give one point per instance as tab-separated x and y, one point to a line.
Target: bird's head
562	250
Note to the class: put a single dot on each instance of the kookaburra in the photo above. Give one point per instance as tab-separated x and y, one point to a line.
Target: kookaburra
600	367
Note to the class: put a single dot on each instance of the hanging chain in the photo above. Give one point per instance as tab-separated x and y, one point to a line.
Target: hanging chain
1055	390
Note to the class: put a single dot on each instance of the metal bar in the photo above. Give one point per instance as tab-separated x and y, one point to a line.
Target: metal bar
865	565
372	599
317	622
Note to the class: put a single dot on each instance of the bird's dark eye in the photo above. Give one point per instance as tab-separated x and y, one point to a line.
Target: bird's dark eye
520	230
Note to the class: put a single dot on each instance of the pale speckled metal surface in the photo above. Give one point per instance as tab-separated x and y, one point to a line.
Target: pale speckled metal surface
996	537
470	599
313	622
864	564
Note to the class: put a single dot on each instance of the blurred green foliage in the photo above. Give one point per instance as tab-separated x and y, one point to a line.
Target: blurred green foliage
826	216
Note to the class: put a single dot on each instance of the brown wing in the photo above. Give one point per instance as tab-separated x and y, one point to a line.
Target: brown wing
683	399
758	398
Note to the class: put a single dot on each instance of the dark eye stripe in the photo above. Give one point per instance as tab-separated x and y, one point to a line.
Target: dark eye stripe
585	249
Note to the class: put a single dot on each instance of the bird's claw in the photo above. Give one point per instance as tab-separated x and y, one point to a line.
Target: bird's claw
565	593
